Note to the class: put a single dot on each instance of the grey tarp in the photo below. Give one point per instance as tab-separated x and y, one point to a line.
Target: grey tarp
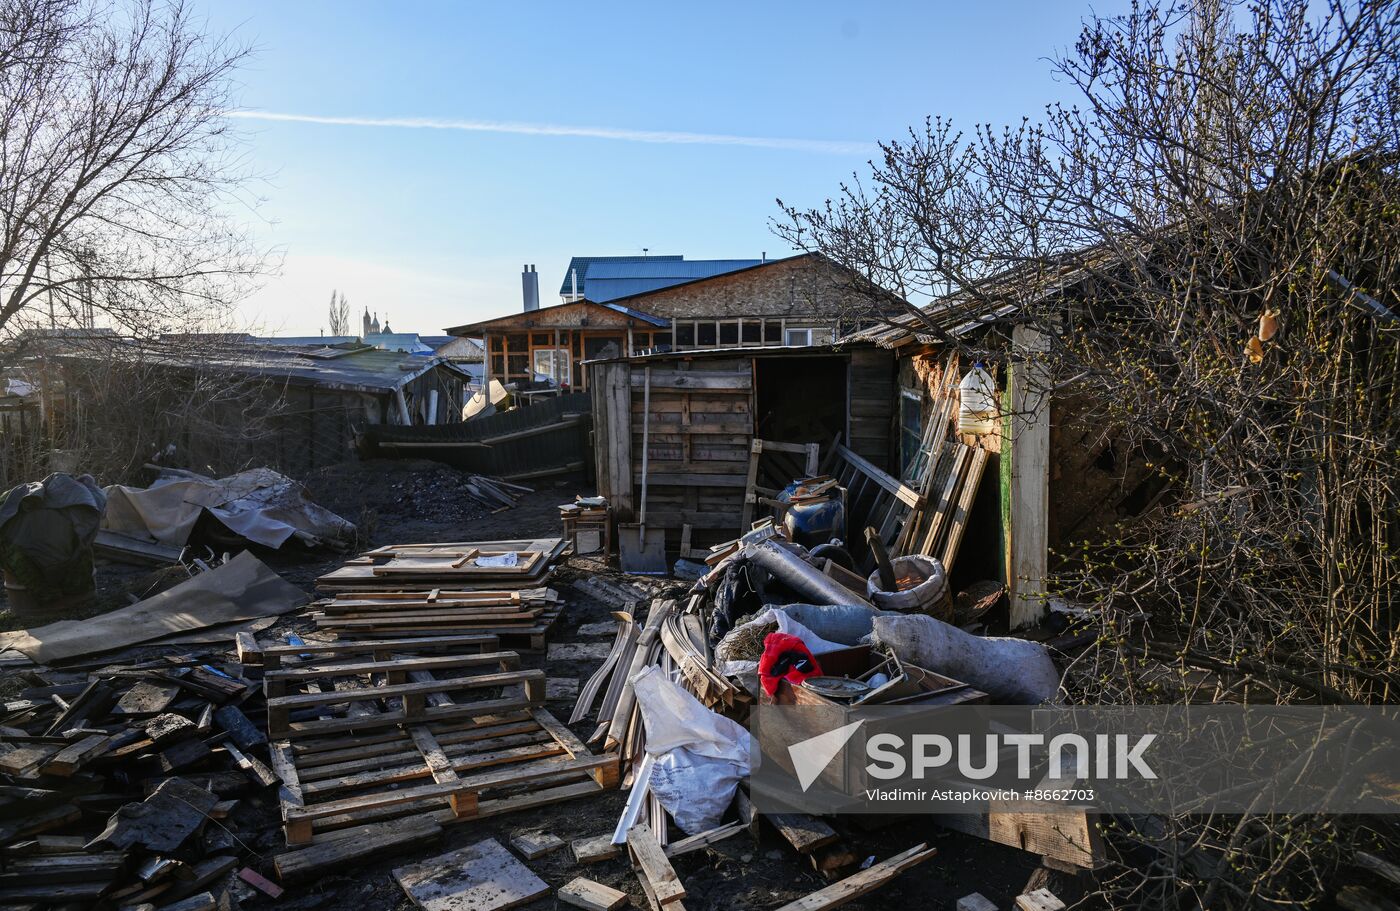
48	526
241	589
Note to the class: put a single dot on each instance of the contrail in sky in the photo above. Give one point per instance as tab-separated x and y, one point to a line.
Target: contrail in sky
659	137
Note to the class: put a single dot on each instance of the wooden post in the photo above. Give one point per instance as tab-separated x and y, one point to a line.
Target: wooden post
1029	423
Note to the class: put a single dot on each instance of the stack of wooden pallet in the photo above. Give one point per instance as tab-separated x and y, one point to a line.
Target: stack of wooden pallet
464	565
483	587
522	618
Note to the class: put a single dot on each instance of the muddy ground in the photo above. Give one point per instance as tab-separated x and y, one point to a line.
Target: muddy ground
420	501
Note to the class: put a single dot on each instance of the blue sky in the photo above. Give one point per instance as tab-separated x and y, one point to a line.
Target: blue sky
430	227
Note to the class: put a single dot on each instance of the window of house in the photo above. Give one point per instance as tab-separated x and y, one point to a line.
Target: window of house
729	333
752	332
705	335
540	338
773	332
819	335
552	363
911	431
661	339
685	335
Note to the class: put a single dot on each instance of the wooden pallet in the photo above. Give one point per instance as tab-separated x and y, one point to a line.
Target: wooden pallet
523	633
335	693
446	565
463	769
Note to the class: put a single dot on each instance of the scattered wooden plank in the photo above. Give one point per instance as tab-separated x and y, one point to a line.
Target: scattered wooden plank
480	877
805	833
856	885
703	839
976	902
1039	900
244	733
1378	865
161	822
261	883
596	849
360	843
536	844
658	878
594	896
70	759
147	698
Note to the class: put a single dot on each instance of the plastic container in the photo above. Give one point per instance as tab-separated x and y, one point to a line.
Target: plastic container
811	524
977	405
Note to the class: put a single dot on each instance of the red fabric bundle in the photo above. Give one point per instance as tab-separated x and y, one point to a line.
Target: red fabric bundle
781	656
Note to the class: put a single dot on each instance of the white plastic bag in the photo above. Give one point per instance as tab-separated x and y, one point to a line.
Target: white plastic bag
698	756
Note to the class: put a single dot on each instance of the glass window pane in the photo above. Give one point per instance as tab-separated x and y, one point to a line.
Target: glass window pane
772	332
797	336
753	332
729	333
685	334
705	335
821	336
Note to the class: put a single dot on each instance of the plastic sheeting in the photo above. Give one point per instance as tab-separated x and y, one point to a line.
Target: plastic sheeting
46	532
241	589
699	756
261	505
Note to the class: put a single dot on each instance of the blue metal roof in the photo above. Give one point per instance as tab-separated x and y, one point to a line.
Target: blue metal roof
610	281
585	263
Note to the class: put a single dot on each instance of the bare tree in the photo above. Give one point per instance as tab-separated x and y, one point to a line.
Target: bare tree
117	168
1207	237
339	315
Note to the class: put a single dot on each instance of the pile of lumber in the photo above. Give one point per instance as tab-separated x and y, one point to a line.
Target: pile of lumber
495	494
119	784
523	618
460	566
486	587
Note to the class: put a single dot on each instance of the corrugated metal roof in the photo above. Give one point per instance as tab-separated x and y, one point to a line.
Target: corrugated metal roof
584	263
611	281
364	370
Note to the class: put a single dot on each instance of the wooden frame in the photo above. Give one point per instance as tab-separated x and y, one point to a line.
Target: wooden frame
811	453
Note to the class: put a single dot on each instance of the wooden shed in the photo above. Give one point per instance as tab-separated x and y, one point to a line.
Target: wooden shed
701	411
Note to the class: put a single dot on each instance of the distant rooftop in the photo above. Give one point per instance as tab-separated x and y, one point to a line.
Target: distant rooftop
611	281
585	263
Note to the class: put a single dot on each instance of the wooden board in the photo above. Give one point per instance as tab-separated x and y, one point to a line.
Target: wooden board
867	880
658	878
480	877
594	896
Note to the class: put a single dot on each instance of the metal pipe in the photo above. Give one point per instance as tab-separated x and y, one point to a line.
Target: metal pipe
799	575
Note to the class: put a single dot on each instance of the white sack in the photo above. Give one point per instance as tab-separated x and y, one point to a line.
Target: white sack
1014	671
699	756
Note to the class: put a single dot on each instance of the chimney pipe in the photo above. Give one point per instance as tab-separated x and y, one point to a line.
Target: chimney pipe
573	278
530	287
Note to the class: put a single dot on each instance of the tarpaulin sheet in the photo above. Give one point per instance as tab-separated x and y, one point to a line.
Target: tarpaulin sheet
241	589
261	505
